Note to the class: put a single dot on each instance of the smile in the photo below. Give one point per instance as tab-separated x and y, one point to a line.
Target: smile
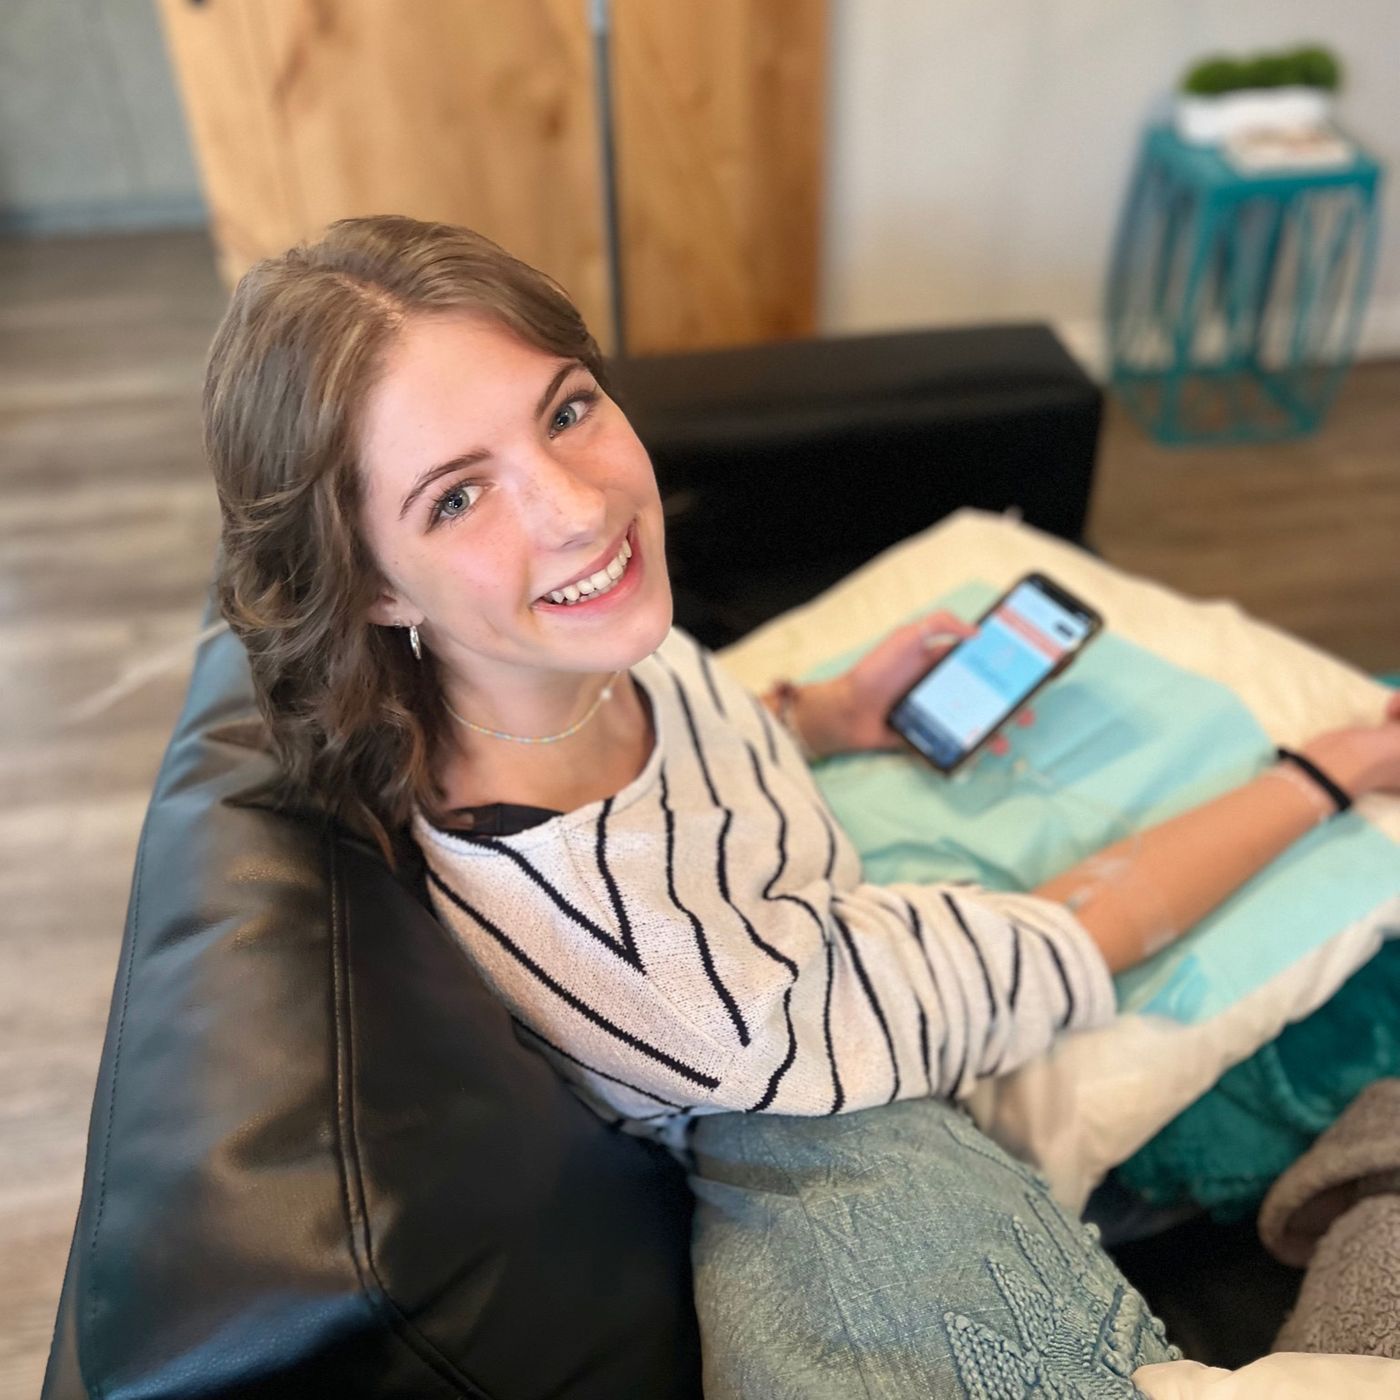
593	585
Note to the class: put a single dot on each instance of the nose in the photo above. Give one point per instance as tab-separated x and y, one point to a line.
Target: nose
563	505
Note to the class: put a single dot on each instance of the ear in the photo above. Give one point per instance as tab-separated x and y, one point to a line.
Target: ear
388	610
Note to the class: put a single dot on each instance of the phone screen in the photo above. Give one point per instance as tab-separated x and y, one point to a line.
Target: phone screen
980	682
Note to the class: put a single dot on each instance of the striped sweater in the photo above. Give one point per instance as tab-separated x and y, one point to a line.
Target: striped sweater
703	941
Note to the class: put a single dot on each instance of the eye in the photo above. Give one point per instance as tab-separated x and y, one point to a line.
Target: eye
575	410
455	502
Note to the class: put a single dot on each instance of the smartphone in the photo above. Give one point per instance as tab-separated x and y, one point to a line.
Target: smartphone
1027	637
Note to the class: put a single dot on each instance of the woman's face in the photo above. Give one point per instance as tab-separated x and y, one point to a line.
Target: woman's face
501	485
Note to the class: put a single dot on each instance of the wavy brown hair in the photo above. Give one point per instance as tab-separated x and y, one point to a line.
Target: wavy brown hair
353	718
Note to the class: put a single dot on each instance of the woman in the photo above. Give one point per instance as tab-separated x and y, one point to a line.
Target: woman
443	549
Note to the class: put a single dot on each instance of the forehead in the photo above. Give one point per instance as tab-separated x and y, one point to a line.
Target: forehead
447	384
447	360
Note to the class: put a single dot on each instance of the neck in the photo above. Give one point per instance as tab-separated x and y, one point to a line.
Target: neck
491	731
601	757
536	706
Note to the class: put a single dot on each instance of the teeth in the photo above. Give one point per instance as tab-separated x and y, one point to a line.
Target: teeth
596	583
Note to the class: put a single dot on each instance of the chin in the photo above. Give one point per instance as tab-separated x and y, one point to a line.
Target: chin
642	633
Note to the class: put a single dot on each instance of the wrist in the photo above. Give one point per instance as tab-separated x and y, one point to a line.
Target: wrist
1334	784
816	715
1306	793
1338	763
822	715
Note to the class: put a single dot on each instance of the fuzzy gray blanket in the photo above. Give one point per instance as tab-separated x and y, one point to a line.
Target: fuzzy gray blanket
1336	1210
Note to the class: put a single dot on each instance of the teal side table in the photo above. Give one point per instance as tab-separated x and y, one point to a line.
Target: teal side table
1235	300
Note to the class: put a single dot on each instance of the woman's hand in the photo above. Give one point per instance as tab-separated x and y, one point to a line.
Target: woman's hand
848	712
1364	758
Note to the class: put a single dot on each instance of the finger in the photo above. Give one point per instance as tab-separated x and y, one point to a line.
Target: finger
937	634
935	648
1392	706
950	624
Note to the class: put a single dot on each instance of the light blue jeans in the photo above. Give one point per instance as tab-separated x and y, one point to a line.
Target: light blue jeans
898	1253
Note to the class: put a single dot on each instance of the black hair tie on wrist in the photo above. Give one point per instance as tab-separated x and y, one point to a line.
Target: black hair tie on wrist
1335	791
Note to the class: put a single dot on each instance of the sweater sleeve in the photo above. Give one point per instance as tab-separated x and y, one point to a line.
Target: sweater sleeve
883	993
1040	972
916	991
705	941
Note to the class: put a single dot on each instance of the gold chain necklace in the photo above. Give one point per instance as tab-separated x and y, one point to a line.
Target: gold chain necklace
604	694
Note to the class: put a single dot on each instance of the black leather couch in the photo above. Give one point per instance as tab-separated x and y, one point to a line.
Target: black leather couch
320	1161
784	467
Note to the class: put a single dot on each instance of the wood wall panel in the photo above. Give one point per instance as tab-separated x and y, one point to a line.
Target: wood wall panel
478	112
219	53
720	111
483	112
468	111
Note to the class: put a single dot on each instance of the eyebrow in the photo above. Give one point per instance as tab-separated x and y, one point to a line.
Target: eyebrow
479	454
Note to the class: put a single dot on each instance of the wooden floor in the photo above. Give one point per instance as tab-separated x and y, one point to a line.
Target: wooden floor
1304	534
107	528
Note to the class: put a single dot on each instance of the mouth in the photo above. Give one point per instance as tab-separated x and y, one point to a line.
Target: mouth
604	579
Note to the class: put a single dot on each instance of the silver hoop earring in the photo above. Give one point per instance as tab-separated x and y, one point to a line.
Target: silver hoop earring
414	642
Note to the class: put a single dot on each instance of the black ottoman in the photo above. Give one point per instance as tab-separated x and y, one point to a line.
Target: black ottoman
785	466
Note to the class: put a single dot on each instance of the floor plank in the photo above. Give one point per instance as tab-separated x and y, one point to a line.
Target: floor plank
107	527
1305	535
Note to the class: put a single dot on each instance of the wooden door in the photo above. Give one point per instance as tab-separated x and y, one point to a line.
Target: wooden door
478	112
484	112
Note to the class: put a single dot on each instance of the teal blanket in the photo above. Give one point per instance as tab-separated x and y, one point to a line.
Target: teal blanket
1122	741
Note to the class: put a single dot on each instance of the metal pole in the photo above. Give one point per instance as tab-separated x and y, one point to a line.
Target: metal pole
600	22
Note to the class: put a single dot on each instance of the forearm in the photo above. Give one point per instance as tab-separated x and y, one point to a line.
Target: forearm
1141	893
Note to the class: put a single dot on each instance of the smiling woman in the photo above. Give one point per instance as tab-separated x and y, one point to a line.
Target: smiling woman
410	428
524	561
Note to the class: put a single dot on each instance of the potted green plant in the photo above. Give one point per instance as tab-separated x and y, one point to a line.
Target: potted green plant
1222	97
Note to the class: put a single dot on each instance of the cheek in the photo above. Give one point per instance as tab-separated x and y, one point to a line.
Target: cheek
488	567
639	473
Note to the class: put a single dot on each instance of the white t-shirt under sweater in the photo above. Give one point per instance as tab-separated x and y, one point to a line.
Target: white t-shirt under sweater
703	941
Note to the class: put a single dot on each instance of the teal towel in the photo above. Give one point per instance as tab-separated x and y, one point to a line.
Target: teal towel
1225	1150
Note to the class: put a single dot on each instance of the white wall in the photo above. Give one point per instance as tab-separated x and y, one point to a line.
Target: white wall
91	131
979	149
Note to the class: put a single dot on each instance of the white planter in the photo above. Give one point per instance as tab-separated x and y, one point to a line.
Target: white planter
1207	121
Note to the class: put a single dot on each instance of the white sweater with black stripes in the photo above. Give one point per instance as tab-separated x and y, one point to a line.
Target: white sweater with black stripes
703	941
